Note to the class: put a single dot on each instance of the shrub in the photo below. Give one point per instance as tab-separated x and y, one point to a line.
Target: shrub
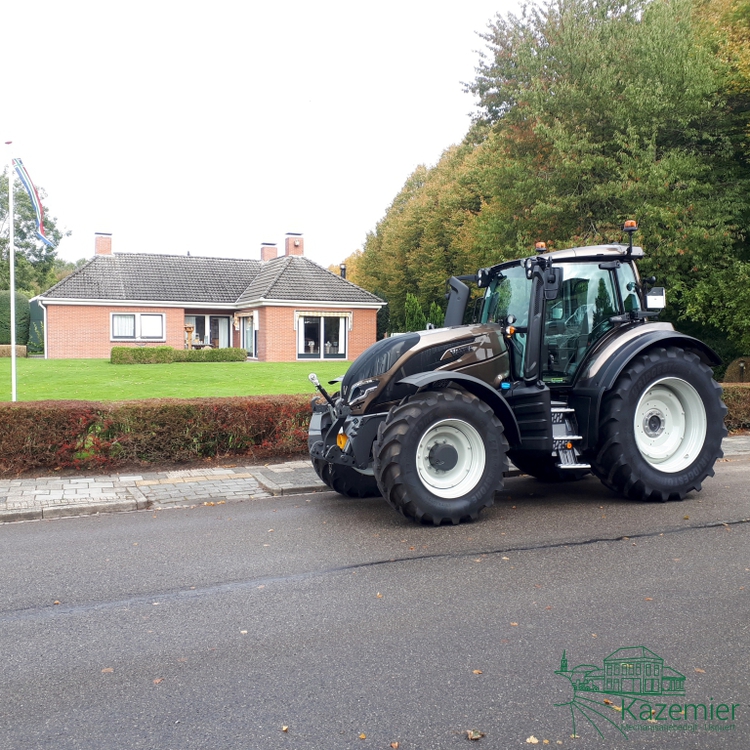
22	318
737	399
52	435
5	350
151	355
210	355
738	371
141	355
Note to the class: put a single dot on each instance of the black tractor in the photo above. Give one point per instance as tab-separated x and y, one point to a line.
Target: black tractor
564	371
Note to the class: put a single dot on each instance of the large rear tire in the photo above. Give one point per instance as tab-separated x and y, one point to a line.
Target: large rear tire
661	427
345	480
440	456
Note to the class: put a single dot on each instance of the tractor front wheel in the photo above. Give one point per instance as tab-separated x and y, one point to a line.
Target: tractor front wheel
345	480
661	427
440	456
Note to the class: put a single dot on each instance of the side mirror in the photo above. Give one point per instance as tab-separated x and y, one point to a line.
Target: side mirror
656	299
552	277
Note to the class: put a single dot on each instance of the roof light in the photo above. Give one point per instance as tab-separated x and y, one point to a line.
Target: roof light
541	246
630	226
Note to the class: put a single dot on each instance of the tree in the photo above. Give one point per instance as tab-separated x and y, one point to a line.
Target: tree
34	261
436	315
414	318
22	318
592	112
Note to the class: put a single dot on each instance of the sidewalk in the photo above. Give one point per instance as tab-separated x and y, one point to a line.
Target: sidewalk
48	497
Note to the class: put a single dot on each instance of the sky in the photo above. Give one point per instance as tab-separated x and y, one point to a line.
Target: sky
212	127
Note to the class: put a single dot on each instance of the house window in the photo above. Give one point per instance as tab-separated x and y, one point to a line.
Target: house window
248	335
138	326
209	330
321	336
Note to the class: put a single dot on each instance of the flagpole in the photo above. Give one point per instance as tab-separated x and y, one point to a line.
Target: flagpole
12	266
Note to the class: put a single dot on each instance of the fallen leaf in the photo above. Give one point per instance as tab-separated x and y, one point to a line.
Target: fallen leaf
270	530
617	708
545	742
285	728
107	670
477	671
158	680
363	736
514	624
701	671
506	558
474	734
608	702
593	635
532	740
394	745
379	595
243	632
548	607
686	518
56	602
648	599
210	502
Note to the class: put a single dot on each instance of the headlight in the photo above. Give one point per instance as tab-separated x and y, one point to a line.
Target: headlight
360	390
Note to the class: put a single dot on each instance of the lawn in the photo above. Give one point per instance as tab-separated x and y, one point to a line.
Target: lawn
98	380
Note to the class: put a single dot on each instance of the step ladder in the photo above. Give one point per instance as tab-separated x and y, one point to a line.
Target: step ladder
565	437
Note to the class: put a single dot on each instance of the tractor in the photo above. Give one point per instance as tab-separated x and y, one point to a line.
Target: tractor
564	371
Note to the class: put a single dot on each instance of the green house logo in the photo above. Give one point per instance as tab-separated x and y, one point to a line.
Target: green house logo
634	690
633	670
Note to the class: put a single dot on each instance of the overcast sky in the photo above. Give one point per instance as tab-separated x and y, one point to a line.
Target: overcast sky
211	127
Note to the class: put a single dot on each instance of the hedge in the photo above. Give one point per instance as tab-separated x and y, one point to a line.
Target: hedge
6	349
152	355
737	399
49	435
22	318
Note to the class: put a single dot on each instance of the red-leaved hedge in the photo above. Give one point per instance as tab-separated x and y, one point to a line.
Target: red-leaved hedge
48	435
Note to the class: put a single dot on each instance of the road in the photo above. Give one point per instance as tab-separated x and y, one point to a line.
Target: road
218	627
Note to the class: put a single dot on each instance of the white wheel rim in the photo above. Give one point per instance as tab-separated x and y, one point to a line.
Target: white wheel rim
670	425
469	468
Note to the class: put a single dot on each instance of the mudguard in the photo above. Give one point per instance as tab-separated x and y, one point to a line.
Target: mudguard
606	364
478	388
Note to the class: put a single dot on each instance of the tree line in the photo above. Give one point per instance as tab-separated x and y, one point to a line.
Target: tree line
591	112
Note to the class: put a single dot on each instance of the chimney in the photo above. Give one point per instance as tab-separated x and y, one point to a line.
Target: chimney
268	250
102	243
342	268
294	244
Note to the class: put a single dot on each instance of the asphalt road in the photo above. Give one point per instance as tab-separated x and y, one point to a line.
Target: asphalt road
217	627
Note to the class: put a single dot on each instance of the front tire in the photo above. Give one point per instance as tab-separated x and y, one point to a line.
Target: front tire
661	427
345	480
440	456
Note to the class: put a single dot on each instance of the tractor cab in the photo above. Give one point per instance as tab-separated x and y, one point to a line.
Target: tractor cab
573	298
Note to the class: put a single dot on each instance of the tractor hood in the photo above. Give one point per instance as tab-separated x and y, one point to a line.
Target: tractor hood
373	378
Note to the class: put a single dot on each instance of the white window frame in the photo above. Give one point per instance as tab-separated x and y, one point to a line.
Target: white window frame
139	325
346	327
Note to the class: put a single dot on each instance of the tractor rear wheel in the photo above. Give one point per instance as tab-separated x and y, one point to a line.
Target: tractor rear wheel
345	480
440	456
661	427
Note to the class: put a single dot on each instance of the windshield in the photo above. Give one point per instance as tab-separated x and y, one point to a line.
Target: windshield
508	294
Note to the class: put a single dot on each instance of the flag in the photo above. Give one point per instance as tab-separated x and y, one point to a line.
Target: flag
23	175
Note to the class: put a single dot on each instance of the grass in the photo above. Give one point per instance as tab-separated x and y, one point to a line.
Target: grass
98	380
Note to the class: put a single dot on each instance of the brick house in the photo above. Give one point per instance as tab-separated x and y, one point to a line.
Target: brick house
279	308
